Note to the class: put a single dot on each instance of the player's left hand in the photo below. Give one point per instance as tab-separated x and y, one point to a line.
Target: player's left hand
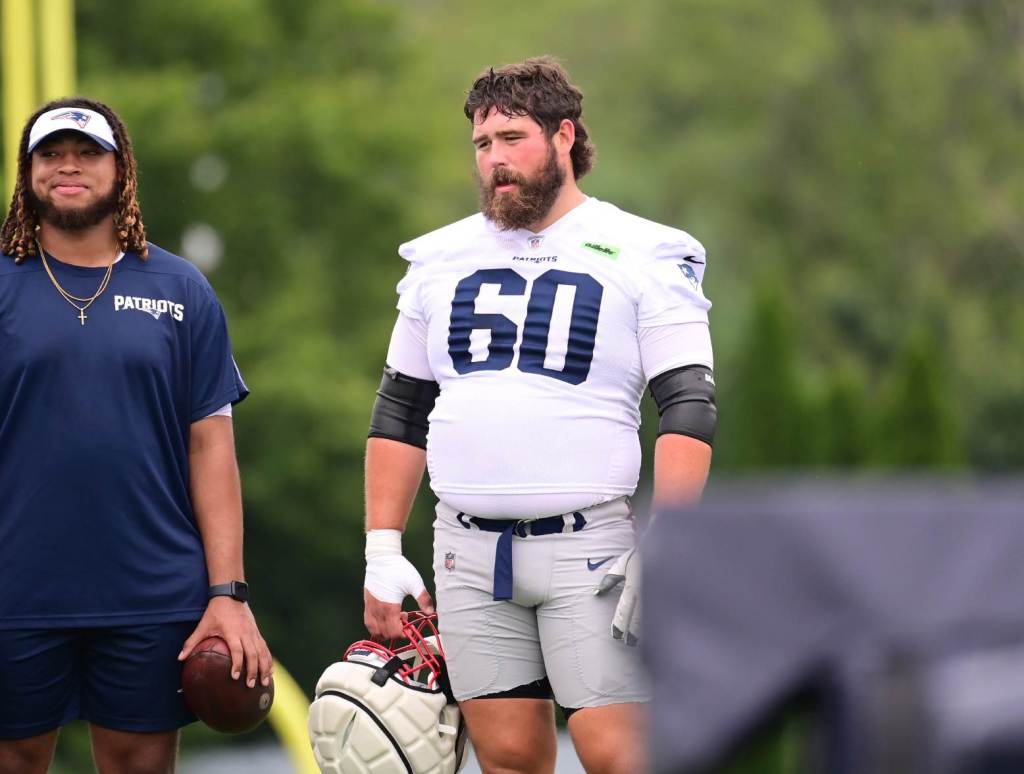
626	621
233	622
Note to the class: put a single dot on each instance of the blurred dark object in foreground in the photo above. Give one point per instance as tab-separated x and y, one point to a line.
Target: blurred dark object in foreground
897	606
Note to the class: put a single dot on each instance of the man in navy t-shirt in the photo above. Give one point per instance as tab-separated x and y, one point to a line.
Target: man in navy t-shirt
120	502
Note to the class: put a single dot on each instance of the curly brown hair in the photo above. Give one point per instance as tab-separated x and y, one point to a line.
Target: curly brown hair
538	88
18	234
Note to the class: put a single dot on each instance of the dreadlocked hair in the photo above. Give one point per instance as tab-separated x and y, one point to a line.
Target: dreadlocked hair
18	233
538	88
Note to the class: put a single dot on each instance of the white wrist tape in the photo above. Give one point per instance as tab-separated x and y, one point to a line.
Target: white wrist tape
382	542
390	577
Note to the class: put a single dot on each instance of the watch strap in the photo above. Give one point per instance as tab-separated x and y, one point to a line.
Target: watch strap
238	590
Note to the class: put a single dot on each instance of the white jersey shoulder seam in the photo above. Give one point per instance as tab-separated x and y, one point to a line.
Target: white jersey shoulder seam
443	239
647	239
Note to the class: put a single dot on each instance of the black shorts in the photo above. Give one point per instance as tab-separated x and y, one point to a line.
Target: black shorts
126	678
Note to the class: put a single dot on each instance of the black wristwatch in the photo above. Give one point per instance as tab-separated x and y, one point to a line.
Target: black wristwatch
238	590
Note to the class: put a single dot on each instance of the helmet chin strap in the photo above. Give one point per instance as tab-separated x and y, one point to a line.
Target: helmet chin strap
386	672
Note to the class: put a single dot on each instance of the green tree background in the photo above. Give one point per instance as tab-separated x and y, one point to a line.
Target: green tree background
854	169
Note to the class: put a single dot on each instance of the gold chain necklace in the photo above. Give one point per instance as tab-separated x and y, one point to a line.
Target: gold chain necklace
86	302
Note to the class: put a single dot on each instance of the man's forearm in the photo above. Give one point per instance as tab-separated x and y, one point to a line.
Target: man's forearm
393	474
217	503
216	494
681	466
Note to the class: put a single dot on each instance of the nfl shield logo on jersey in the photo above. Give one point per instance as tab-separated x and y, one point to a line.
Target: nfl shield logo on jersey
449	561
535	242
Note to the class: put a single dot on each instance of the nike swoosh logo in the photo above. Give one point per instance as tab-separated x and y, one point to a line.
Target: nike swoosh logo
692	259
592	565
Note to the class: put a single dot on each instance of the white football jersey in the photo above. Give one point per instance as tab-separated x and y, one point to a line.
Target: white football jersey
535	341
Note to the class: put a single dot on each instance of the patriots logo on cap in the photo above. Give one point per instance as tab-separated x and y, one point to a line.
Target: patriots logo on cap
77	116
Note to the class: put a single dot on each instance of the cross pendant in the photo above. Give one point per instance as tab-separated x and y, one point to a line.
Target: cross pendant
82	315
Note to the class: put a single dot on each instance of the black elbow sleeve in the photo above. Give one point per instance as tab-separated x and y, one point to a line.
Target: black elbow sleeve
686	402
402	407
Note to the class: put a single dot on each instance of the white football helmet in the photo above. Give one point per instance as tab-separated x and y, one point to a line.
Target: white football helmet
388	708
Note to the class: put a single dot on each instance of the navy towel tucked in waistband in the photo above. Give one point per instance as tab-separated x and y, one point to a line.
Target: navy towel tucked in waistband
549	525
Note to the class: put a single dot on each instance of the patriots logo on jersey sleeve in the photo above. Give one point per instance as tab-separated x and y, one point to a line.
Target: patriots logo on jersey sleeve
77	116
690	275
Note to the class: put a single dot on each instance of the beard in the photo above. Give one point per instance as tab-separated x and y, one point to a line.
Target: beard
75	218
530	202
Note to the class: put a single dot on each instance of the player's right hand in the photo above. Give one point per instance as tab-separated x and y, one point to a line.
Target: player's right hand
390	578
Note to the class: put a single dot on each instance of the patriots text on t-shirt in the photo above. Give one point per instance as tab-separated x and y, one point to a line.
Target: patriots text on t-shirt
152	306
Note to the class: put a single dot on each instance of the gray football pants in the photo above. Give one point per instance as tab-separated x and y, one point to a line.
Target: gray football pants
552	627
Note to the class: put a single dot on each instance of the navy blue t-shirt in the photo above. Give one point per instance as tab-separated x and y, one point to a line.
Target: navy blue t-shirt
96	523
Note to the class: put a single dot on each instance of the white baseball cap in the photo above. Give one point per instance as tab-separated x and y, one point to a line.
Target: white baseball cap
77	119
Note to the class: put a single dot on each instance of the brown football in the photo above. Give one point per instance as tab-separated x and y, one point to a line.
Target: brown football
225	705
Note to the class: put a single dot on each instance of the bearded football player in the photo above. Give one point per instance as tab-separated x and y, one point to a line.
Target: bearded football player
526	335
